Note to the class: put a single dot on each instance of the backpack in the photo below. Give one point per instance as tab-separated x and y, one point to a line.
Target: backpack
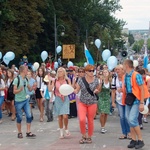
10	93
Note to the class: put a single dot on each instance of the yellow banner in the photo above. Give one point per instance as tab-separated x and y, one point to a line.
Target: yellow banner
68	51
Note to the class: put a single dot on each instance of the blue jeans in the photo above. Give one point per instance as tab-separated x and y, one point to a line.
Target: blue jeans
123	121
132	113
23	106
1	102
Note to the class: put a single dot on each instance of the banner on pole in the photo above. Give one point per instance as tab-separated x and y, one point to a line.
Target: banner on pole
68	51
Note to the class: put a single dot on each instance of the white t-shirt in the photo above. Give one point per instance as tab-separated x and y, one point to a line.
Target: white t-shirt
118	95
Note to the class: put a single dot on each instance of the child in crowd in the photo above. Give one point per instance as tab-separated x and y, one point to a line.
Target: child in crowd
49	98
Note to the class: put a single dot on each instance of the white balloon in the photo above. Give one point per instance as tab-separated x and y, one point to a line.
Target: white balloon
66	89
85	64
145	111
69	64
106	54
135	63
58	49
112	62
98	43
36	65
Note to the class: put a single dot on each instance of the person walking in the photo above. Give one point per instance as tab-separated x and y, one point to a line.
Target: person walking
48	99
133	97
32	98
22	101
10	95
116	93
62	104
87	105
104	100
39	80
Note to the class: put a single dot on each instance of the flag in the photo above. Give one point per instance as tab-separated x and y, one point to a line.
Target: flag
88	56
145	58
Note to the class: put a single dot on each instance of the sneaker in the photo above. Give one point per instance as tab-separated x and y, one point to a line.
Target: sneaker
132	144
145	120
141	126
139	144
103	130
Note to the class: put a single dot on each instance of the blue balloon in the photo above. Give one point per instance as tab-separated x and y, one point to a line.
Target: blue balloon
58	49
69	64
112	62
55	65
131	57
33	68
44	55
106	54
10	55
0	55
98	43
5	60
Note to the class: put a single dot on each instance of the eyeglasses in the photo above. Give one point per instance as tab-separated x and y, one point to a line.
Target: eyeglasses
90	70
80	71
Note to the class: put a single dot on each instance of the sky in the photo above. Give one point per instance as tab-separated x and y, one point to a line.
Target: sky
136	13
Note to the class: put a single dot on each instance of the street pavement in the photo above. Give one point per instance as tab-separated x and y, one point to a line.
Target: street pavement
47	135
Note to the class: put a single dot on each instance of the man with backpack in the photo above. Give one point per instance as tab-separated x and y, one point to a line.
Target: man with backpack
133	98
21	84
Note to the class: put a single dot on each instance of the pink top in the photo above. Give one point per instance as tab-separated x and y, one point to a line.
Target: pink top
57	86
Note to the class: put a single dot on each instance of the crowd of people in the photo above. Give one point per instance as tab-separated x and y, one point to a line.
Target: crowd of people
96	91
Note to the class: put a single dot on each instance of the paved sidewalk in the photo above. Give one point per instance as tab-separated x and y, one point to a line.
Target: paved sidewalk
48	136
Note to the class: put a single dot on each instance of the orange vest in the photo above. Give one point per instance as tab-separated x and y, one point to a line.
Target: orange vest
135	88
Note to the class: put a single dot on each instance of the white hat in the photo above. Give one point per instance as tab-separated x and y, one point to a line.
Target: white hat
46	79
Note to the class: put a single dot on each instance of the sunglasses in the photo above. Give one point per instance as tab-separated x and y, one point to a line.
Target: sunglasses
90	70
69	70
80	71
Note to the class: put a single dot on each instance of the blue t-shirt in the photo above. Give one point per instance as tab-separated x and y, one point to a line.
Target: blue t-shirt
31	81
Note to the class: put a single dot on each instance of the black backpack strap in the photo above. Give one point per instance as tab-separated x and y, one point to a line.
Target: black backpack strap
87	86
18	81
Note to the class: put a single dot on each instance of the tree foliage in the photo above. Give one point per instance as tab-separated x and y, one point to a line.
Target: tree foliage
148	44
21	21
138	45
131	39
28	26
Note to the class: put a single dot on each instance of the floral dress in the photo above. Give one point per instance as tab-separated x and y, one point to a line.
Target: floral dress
104	99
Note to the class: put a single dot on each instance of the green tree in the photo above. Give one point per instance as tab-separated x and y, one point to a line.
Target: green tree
138	45
20	27
148	44
131	39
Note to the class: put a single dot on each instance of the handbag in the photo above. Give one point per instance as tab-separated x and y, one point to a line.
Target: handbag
130	98
88	88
